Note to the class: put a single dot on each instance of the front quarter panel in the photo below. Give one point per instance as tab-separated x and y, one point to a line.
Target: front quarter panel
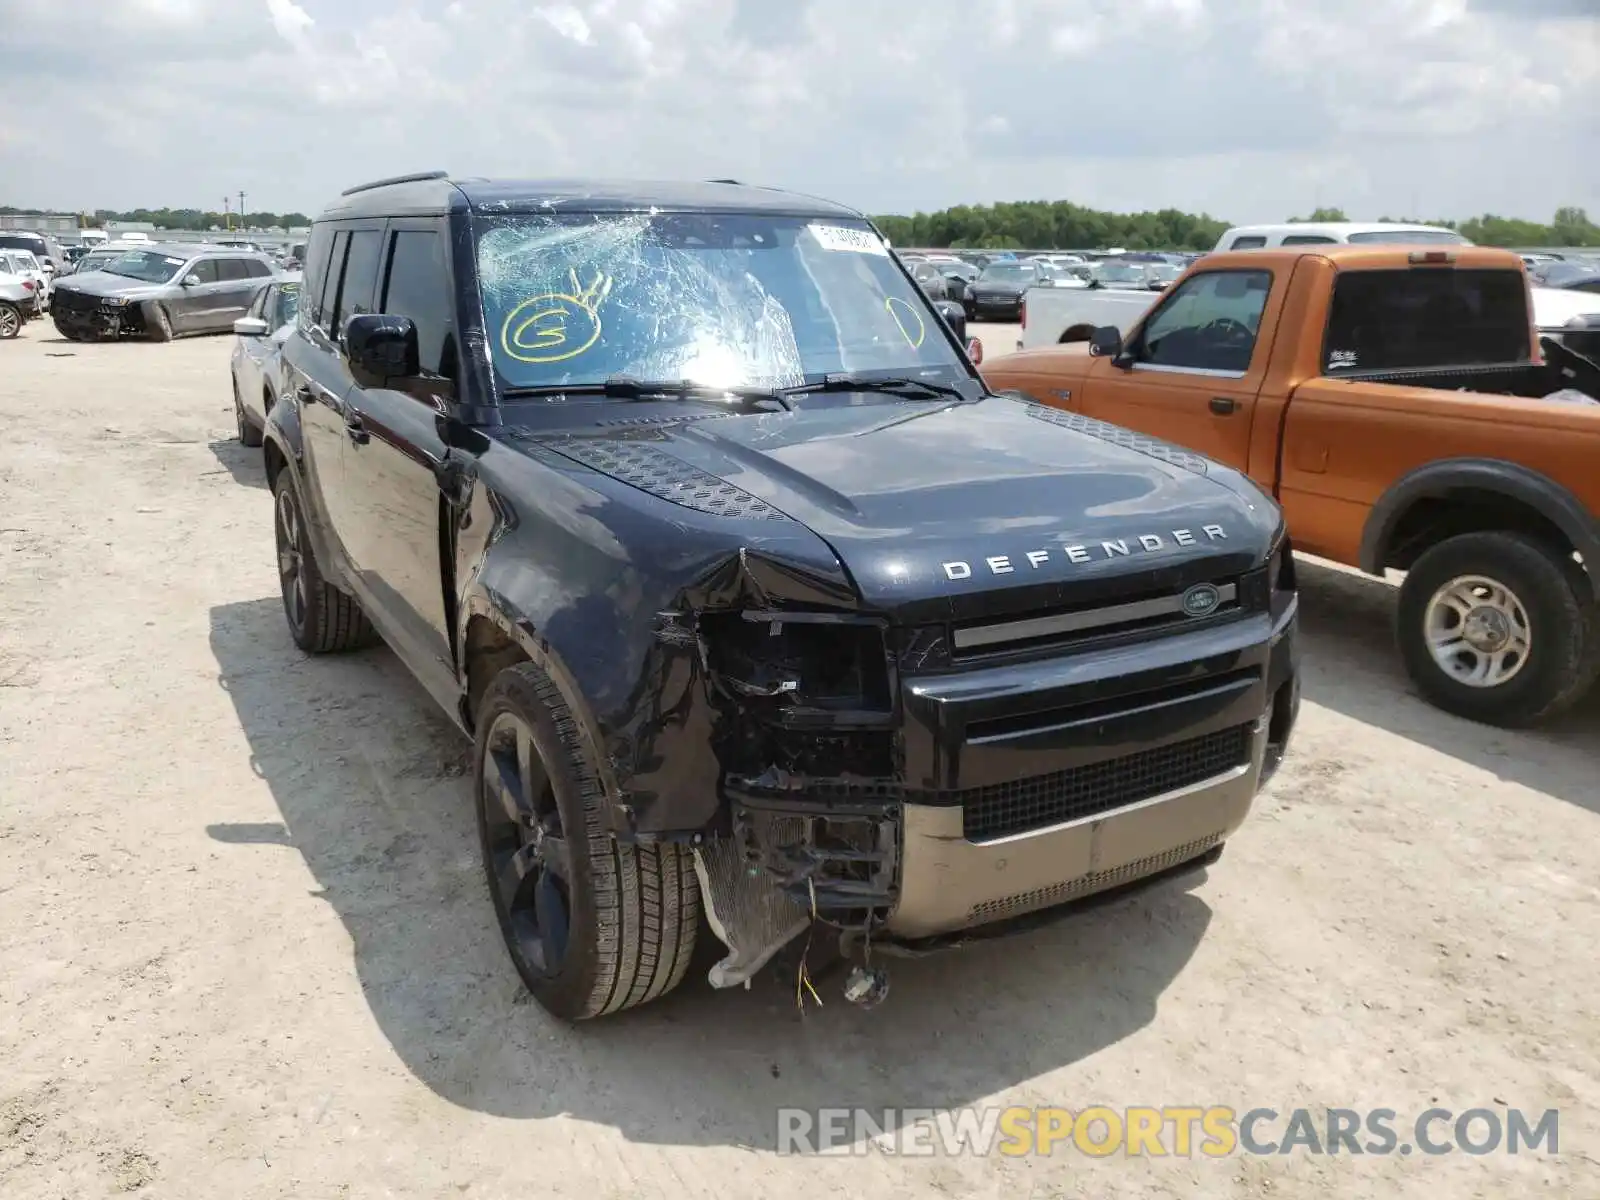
602	584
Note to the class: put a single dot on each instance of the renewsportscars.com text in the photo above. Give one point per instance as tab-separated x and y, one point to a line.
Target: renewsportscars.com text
1183	1131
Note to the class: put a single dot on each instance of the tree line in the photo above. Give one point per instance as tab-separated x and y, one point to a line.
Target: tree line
1062	225
175	218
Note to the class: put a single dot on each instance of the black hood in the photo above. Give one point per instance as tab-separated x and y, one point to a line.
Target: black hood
937	509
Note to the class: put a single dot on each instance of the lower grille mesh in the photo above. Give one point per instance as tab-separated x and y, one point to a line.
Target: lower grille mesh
1085	885
1024	804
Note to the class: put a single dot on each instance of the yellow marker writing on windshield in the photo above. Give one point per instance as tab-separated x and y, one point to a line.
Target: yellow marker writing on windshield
896	306
555	326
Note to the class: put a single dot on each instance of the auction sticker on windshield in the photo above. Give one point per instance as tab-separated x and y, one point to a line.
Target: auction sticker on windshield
839	237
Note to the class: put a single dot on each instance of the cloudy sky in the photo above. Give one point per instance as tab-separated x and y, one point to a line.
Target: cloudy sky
1248	109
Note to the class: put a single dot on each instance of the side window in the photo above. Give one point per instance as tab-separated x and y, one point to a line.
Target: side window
232	270
1209	323
360	277
315	265
1248	243
418	287
257	269
259	304
1309	239
206	269
330	285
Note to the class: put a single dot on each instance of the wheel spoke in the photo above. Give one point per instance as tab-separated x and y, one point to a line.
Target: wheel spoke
507	785
513	874
555	856
550	911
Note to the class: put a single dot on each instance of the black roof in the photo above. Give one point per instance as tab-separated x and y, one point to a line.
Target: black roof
435	192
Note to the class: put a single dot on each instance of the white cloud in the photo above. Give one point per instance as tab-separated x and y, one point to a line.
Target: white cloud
1250	109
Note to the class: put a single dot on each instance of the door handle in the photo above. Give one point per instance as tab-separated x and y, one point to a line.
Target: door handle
1223	405
356	432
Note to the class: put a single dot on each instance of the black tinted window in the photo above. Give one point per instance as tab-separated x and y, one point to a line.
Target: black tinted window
232	269
257	268
1308	239
419	287
330	286
360	277
1426	317
206	269
315	264
1248	243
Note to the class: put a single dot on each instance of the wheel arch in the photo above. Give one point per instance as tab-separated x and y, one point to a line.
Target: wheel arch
1080	332
494	636
1460	495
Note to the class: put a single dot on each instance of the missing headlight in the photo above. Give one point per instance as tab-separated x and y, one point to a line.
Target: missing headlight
804	663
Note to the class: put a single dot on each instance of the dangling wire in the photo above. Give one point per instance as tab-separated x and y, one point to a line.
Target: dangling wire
802	979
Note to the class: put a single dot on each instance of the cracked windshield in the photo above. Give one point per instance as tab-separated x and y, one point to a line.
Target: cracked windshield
719	300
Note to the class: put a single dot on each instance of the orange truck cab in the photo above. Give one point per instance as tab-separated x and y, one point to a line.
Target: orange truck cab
1398	404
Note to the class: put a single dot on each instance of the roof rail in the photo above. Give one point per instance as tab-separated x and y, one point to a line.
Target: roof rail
735	182
416	177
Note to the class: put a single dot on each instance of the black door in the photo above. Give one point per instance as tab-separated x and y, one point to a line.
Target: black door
393	460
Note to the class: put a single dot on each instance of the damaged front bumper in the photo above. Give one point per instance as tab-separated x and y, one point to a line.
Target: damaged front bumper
91	318
1008	787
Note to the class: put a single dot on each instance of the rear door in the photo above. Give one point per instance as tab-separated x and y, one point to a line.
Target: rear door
1196	365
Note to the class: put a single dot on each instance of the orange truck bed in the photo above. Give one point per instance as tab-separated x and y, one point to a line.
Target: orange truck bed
1393	400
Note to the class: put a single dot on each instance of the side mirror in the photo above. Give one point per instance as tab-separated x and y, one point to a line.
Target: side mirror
381	349
191	281
1106	342
954	316
975	351
250	327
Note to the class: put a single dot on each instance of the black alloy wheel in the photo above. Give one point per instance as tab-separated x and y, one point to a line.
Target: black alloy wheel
525	851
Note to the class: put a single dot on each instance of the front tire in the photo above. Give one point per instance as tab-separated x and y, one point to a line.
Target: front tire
322	619
1498	628
249	435
160	324
593	925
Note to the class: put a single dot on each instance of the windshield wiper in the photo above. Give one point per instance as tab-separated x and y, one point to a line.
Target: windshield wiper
846	382
625	387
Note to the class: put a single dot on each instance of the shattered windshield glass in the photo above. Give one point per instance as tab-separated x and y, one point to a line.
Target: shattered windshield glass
724	300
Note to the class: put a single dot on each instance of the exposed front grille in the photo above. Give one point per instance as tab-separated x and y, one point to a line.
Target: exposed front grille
1003	809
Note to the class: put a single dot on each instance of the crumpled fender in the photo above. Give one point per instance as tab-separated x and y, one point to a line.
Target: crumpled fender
601	586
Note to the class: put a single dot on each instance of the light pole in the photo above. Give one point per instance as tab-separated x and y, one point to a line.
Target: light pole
241	209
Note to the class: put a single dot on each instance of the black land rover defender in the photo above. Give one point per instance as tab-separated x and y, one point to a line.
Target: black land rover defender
684	502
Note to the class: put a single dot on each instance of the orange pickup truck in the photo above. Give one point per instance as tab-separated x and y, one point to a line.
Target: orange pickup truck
1397	404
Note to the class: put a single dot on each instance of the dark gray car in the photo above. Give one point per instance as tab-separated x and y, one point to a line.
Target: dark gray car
160	291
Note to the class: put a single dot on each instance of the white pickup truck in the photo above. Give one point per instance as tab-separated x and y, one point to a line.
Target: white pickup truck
1056	315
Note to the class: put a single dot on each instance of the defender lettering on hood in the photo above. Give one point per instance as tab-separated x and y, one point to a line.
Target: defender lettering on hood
1144	543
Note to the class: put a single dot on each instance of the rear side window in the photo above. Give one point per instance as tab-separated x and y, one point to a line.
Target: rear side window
360	277
1308	239
419	287
315	263
1248	243
1426	317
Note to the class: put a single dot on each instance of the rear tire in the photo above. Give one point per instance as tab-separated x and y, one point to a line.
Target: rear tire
10	320
322	619
593	925
1470	602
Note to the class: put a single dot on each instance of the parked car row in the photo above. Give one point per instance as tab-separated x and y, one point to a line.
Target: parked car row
722	559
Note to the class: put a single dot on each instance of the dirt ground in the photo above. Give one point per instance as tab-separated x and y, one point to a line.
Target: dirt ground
246	950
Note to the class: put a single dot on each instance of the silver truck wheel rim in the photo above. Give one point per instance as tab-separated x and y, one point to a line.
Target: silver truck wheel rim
1477	631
